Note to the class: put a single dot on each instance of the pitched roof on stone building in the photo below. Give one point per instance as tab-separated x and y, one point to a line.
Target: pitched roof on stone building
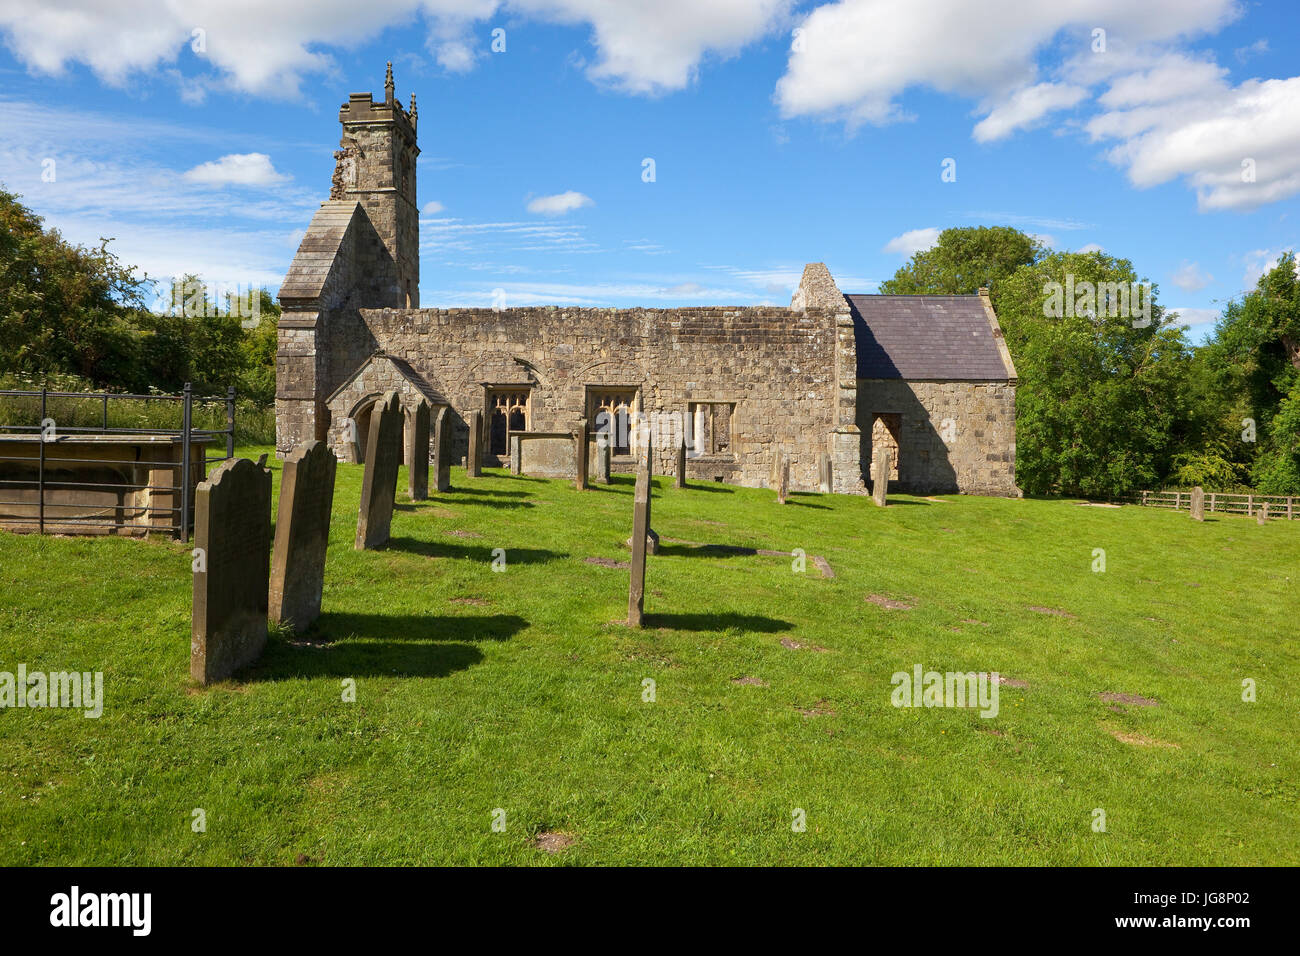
318	250
929	337
403	368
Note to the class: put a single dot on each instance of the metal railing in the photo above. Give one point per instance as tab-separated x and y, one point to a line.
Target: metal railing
137	473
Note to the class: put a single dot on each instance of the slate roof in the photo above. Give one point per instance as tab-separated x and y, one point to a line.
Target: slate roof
918	337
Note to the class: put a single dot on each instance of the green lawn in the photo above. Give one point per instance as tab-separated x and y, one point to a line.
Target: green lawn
520	690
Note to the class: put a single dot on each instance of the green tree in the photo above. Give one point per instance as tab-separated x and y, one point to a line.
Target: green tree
1101	401
965	259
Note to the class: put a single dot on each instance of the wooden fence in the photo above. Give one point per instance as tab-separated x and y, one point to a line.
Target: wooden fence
1279	506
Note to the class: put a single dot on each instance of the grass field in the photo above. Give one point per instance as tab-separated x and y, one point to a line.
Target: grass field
520	691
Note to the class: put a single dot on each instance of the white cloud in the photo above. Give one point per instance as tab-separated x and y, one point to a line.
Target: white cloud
431	208
913	241
1026	107
1190	278
642	46
237	169
859	56
1196	317
1091	247
1238	147
559	204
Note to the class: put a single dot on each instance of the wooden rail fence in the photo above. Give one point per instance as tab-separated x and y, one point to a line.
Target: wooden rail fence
1279	506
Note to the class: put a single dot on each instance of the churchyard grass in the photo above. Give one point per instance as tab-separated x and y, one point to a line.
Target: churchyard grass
521	690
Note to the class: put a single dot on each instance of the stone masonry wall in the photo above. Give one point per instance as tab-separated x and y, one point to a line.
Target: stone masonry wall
981	457
775	365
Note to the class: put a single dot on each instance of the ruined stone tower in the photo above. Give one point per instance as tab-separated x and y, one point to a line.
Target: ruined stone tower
376	167
361	251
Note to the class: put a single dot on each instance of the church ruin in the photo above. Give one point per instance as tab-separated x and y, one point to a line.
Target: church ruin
832	376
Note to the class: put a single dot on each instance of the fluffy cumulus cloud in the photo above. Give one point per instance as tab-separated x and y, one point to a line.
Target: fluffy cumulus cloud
913	241
559	204
237	169
855	58
641	46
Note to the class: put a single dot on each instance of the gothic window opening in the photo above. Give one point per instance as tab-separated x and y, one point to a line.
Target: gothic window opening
507	412
710	427
610	410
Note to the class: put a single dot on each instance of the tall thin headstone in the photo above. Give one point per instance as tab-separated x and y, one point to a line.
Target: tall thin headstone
681	463
474	460
783	482
880	475
379	483
602	458
1261	514
442	450
302	532
1198	503
232	561
417	452
640	532
580	462
825	477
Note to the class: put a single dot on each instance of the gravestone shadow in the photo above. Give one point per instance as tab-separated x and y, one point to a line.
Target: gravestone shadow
717	622
471	552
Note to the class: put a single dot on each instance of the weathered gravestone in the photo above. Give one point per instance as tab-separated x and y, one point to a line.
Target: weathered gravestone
516	455
640	533
880	474
825	477
442	450
1198	503
602	458
580	454
302	531
379	483
650	540
1261	514
783	481
417	452
681	463
474	460
232	546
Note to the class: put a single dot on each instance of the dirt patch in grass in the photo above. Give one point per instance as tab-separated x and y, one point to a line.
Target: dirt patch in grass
608	563
1013	682
749	681
889	604
1140	740
553	841
459	533
823	566
818	709
1055	611
792	645
475	601
1137	700
1098	504
971	620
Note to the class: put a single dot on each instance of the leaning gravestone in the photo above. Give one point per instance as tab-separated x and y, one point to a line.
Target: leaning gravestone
232	543
379	483
442	450
302	532
681	463
474	460
640	532
880	475
1198	503
602	458
825	478
783	482
417	452
580	454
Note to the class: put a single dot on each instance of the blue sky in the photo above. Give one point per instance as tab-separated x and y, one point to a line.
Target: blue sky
781	133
